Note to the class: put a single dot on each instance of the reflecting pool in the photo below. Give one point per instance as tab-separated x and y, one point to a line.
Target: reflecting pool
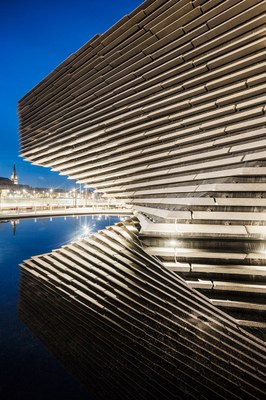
100	311
28	370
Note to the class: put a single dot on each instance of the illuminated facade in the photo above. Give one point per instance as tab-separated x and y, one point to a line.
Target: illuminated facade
166	111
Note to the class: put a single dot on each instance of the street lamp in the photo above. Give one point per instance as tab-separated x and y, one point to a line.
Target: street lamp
75	198
34	200
50	194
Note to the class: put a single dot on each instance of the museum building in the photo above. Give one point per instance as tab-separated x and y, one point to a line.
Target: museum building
166	111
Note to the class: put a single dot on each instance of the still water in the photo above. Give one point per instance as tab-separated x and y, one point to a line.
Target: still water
27	369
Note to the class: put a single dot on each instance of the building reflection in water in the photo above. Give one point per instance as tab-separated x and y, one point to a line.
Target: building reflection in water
128	328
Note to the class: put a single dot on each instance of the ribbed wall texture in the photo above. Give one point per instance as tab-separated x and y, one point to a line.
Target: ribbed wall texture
165	110
129	329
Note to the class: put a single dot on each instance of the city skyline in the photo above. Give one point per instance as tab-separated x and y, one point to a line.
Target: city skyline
36	37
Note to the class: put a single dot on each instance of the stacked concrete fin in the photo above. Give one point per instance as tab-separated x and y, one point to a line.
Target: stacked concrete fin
232	274
129	329
165	110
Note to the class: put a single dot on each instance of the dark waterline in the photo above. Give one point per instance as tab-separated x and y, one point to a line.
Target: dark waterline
28	370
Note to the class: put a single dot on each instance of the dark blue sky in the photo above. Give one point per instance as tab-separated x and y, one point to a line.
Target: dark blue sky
36	36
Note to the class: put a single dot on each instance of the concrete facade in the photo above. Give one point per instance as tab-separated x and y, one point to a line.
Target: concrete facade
166	111
128	329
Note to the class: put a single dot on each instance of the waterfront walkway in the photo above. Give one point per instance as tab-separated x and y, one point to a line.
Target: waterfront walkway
18	214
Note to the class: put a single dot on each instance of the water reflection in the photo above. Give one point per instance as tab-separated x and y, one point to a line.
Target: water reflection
28	370
127	329
14	224
96	355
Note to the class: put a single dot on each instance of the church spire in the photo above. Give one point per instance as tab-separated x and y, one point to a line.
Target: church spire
14	177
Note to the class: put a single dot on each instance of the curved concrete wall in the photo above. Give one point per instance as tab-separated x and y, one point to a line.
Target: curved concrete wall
166	111
129	329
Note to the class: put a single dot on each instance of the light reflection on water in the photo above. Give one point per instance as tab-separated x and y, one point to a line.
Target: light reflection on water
28	370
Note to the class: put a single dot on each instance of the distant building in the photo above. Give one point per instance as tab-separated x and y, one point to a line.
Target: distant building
6	184
14	177
11	184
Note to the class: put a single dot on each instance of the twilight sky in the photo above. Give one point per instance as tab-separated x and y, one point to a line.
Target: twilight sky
36	36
